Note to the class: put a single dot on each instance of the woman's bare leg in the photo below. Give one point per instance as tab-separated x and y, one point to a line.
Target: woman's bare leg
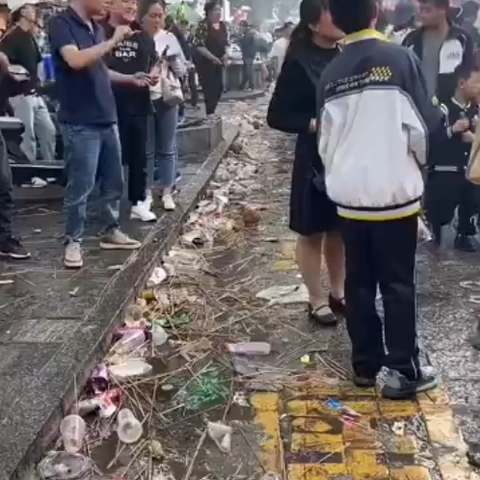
335	260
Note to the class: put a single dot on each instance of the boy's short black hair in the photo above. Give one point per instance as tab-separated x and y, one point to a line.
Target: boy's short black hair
443	4
464	72
353	15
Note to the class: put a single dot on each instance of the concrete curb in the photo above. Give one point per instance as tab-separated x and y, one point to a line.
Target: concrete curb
106	315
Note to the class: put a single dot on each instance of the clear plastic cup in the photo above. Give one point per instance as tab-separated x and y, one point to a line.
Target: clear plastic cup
129	429
72	429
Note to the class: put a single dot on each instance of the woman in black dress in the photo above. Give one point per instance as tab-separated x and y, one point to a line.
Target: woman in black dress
211	40
292	109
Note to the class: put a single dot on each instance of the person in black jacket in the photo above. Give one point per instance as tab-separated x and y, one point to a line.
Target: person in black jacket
441	46
447	186
468	19
292	109
136	55
248	46
10	247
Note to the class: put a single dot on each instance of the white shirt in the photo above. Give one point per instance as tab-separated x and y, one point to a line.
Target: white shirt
164	39
279	49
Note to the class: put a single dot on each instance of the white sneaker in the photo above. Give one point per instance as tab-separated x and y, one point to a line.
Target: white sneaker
168	203
148	199
36	182
140	211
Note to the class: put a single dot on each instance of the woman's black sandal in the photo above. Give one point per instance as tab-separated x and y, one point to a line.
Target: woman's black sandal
327	319
337	305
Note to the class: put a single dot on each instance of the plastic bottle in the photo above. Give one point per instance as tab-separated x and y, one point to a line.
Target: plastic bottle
129	429
249	348
159	335
72	429
131	340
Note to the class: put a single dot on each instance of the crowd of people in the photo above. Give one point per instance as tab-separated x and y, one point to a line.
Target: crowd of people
376	118
120	72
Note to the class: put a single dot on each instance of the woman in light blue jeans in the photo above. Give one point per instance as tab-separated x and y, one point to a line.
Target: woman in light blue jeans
162	151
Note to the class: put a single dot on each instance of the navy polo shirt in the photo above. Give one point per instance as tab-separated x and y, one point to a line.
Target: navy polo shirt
85	95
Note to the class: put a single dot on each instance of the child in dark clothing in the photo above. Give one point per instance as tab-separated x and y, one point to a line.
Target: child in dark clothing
447	187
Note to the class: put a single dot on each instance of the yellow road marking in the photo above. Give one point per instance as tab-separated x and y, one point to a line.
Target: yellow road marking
321	447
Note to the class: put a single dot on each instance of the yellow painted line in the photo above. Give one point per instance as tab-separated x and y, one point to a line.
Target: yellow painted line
267	417
321	447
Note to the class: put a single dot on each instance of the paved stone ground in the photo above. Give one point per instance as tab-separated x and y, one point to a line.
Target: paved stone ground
307	440
52	319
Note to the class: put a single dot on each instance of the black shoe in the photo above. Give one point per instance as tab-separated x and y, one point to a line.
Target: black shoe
364	382
12	248
322	315
337	305
464	243
399	387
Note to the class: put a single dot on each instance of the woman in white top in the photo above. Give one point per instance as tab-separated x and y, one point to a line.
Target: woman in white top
162	151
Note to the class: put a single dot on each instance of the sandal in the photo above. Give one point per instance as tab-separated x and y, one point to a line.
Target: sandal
322	315
337	305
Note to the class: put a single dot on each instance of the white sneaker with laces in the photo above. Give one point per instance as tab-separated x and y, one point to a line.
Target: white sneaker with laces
141	211
168	203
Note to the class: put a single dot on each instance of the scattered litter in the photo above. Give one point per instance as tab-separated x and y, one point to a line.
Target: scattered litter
343	409
134	367
241	399
221	434
207	389
109	402
244	367
129	429
306	360
159	335
282	295
37	230
398	428
198	238
156	450
250	217
134	317
72	429
157	277
7	282
249	348
175	320
74	292
131	340
115	267
65	466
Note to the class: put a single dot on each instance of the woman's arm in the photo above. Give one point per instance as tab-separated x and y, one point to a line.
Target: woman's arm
283	111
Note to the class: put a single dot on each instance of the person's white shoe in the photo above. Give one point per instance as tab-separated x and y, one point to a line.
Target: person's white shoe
36	182
148	199
168	203
142	212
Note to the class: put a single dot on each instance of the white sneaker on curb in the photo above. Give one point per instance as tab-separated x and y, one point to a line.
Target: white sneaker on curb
148	199
168	203
141	211
117	240
72	256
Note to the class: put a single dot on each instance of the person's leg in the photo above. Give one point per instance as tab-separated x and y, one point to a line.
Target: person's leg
363	323
151	160
206	74
250	74
334	254
166	151
81	152
24	109
244	81
395	244
192	85
44	130
9	246
217	86
466	228
137	166
309	260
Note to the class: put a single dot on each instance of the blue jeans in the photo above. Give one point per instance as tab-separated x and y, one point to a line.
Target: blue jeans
92	155
162	151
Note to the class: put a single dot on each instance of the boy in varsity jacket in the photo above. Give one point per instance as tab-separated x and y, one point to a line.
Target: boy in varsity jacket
377	190
447	187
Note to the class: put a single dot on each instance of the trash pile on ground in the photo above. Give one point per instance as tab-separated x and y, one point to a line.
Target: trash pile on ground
191	350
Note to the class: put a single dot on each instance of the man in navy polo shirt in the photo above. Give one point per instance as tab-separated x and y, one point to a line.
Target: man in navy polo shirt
88	122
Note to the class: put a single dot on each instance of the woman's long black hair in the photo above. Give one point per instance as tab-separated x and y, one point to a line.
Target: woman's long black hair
310	13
